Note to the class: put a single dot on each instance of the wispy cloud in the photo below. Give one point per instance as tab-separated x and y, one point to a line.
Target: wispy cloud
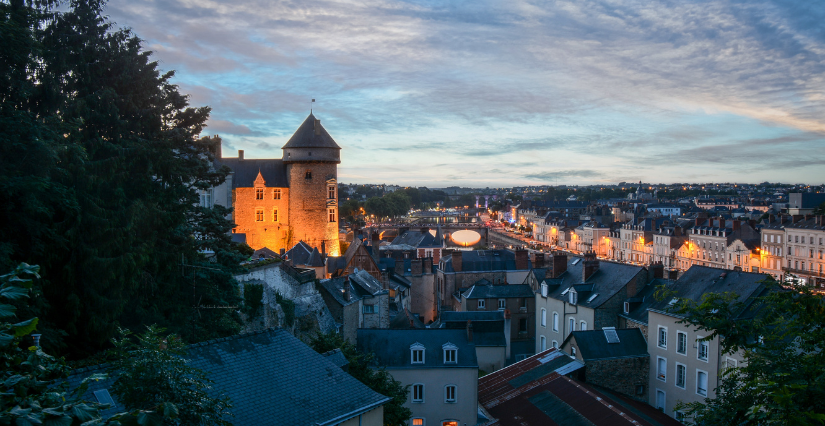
572	82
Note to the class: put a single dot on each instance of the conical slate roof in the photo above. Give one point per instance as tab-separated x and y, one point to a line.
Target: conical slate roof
306	137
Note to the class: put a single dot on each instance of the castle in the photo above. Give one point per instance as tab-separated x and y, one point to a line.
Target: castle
278	202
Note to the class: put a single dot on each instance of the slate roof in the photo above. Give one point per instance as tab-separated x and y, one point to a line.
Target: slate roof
392	347
405	320
245	171
299	253
488	327
415	239
498	291
698	280
593	344
484	260
361	285
272	378
643	300
608	280
305	136
535	392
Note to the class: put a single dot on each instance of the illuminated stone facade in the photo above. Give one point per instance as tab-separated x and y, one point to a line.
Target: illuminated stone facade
278	202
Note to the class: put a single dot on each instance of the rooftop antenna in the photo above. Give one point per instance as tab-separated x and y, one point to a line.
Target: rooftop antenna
310	105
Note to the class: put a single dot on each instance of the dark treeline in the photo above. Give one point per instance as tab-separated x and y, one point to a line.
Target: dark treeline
100	168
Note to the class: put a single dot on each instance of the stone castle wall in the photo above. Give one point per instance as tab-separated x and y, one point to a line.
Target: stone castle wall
266	233
309	204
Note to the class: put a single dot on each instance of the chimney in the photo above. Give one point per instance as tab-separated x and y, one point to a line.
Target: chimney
323	248
240	154
219	148
771	218
416	267
457	261
346	289
428	265
559	264
736	225
538	260
385	279
521	259
317	127
282	252
796	218
590	265
469	331
506	314
656	270
699	221
376	239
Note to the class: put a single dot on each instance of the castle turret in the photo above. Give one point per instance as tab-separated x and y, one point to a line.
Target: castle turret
312	157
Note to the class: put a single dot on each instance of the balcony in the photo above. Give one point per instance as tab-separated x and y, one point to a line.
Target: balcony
804	272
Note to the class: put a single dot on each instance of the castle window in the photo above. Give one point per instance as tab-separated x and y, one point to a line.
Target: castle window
259	215
332	192
308	174
259	194
276	194
332	215
275	215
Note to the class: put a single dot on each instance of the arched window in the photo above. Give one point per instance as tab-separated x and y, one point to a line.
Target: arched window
555	321
543	317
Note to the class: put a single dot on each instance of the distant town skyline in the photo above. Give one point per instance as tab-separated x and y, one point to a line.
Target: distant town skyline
501	94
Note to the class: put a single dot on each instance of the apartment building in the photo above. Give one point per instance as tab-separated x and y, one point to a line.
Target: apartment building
805	248
684	367
772	248
592	236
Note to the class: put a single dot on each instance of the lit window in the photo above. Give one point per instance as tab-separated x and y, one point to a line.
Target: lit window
449	394
417	421
662	342
331	192
480	303
418	392
275	215
702	350
681	343
276	194
259	215
332	215
259	194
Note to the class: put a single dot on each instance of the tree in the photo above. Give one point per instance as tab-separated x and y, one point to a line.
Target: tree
28	375
151	370
819	210
100	169
780	335
378	379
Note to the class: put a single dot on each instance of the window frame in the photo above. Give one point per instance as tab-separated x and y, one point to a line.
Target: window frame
662	332
572	322
555	321
276	193
582	325
661	373
259	193
449	353
332	218
417	391
707	382
699	345
679	334
482	304
543	318
371	309
447	399
259	215
684	376
420	349
275	215
502	304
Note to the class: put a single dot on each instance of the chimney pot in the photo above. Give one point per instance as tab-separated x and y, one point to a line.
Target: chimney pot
240	154
317	127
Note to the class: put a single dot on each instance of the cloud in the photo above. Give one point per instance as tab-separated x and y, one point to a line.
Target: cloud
668	86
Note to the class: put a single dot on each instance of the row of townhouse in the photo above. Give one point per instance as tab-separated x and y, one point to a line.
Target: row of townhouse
779	245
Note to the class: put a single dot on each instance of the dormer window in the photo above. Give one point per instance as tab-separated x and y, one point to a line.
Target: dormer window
417	353
543	289
573	297
450	353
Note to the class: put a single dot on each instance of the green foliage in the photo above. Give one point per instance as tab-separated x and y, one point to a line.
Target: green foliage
252	298
151	371
100	168
377	379
30	395
288	307
782	378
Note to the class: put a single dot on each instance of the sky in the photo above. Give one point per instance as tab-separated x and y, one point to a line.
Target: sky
508	93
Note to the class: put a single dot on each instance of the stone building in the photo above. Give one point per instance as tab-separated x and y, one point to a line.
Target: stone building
613	359
356	301
278	202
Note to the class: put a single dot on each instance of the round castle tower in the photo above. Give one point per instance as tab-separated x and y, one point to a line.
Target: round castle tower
312	157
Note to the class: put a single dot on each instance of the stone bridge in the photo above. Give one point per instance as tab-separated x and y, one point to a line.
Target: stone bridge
465	239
